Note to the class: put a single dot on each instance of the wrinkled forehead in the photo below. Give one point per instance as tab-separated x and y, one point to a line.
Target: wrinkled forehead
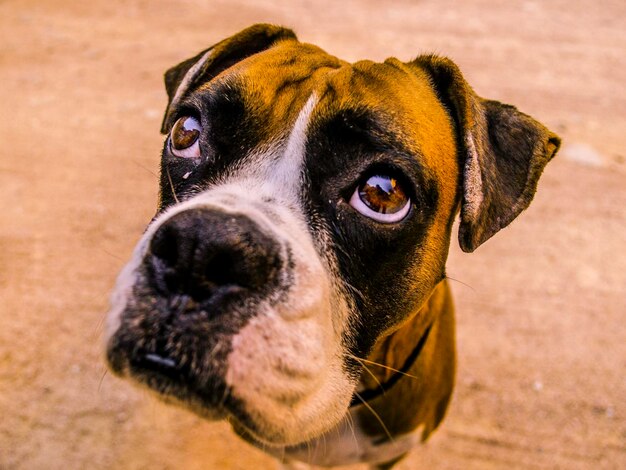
270	90
398	106
273	86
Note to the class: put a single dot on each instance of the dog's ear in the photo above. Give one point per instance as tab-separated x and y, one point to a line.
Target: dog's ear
181	79
503	153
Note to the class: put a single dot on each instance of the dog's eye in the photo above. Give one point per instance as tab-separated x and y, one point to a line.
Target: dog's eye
381	198
184	138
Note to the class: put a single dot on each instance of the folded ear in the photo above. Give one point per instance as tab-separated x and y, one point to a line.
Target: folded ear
184	77
503	153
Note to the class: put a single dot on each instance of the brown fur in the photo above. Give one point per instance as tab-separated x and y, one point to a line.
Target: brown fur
422	397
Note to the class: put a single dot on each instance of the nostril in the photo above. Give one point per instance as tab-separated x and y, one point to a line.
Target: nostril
248	265
218	270
164	259
164	245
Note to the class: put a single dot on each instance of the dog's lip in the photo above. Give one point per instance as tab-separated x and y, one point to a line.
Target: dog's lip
158	364
162	361
158	372
163	376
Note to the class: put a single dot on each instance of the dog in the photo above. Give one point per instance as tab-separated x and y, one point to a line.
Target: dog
293	278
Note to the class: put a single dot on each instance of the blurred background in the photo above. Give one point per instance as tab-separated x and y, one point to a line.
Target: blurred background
541	330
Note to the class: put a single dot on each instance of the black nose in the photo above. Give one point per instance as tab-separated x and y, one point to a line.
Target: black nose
201	252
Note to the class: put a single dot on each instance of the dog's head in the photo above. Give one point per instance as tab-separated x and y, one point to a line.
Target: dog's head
306	210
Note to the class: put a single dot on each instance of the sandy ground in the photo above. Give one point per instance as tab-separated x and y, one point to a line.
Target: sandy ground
542	336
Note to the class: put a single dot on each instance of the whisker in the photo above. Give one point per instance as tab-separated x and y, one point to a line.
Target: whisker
368	406
308	450
369	372
106	371
263	447
97	329
353	289
351	424
225	396
145	168
382	365
315	445
460	282
169	178
112	255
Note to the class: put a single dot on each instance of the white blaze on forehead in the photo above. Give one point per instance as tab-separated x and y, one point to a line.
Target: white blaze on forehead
297	139
285	175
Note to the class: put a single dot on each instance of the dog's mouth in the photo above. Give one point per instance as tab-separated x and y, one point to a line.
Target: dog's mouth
191	379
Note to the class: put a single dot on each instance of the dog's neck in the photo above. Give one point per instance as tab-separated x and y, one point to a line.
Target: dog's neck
414	365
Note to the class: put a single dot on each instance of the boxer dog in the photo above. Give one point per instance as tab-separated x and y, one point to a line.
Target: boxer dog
293	280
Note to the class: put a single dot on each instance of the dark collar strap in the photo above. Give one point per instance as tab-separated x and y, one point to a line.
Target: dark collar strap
370	394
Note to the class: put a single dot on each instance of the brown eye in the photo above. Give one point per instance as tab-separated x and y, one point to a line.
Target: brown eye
184	137
381	198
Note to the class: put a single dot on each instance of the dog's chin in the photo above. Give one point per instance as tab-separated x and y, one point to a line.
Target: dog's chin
274	428
287	430
219	403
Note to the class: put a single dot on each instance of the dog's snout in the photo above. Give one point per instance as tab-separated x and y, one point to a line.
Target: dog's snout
202	252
